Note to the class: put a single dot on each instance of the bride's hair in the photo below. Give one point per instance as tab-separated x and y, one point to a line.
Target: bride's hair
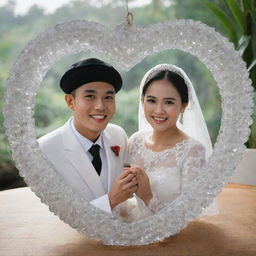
176	80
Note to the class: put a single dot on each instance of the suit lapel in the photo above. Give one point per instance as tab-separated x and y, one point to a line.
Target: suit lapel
112	159
81	162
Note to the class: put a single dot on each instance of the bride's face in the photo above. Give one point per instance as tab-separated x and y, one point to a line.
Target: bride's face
162	105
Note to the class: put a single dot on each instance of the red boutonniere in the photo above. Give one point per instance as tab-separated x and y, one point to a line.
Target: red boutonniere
116	149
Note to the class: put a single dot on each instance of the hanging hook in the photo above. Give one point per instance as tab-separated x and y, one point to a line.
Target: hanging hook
129	18
129	15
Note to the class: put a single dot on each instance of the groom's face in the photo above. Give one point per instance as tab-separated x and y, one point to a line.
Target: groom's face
93	106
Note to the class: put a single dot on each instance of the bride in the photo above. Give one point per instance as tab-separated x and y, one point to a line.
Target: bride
171	146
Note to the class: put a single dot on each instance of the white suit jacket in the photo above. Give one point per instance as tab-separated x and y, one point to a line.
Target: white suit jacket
64	151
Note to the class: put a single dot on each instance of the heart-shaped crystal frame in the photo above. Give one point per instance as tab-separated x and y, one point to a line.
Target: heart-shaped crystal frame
127	45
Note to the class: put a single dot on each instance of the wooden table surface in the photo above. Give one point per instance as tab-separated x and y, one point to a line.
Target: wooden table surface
28	228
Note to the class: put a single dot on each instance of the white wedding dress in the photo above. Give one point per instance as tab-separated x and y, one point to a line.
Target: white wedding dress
169	172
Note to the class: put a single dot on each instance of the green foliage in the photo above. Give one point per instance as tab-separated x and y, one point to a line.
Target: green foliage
243	35
224	19
238	14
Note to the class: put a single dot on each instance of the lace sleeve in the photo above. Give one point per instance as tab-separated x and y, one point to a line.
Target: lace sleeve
131	148
132	210
156	204
193	160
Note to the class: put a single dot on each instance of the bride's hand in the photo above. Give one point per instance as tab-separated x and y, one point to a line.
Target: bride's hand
144	190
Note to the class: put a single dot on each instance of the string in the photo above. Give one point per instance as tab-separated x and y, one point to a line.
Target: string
129	15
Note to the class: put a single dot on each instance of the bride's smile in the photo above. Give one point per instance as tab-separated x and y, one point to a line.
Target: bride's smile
159	120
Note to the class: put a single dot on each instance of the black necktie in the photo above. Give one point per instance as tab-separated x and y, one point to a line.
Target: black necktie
96	161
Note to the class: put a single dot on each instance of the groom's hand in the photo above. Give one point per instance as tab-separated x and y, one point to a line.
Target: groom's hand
122	188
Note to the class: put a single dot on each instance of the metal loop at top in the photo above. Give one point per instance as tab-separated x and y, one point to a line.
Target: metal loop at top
129	18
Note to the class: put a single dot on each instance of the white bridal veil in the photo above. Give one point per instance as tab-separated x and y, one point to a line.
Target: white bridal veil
193	123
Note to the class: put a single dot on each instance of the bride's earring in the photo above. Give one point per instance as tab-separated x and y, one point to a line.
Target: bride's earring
181	117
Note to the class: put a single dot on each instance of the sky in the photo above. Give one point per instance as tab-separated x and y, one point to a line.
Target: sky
51	5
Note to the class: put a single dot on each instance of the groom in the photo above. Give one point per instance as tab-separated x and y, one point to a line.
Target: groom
87	151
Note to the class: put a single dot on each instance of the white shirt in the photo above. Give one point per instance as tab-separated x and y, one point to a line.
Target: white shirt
86	145
103	201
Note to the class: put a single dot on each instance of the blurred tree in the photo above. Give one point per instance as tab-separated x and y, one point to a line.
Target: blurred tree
51	111
187	9
9	176
128	103
5	48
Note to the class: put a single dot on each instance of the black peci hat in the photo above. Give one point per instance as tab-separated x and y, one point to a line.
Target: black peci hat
90	70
